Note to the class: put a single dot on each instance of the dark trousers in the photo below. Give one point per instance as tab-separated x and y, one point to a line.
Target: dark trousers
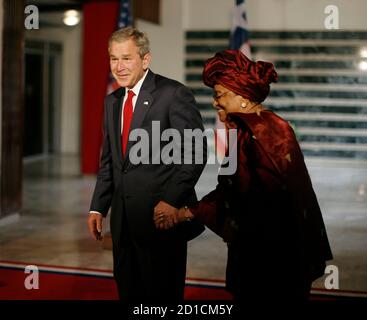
255	277
151	273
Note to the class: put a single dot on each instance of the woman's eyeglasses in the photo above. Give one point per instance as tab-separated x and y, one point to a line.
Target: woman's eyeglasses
216	98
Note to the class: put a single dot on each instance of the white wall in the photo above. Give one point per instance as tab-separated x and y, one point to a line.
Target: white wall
71	95
276	14
70	38
167	40
208	14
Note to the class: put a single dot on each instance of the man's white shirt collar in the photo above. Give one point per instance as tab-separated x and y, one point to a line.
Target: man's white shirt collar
138	85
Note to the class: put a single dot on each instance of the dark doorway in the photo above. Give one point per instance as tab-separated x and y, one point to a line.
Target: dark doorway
33	113
42	99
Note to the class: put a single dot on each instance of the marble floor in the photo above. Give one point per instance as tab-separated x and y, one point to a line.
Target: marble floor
52	230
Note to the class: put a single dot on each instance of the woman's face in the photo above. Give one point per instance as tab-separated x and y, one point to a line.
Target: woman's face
225	101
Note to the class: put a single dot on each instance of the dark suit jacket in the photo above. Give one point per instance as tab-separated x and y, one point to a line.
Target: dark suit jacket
132	190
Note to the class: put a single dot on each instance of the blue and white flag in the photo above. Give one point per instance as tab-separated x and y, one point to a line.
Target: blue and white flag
239	38
124	20
238	41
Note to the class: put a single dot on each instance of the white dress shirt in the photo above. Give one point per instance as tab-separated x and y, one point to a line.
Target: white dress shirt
136	90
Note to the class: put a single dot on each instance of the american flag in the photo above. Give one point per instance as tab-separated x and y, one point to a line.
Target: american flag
239	40
124	20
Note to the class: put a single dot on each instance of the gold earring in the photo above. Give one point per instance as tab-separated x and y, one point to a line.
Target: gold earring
243	105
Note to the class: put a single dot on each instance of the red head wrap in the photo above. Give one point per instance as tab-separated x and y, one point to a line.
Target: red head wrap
234	71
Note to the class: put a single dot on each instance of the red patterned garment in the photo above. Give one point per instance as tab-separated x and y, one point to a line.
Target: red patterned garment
267	211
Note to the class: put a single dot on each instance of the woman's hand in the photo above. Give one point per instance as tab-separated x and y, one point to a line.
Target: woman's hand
165	215
165	221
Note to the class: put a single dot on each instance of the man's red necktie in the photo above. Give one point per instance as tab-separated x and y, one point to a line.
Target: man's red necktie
128	115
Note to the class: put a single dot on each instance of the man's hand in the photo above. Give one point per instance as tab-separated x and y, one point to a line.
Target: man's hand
165	215
95	226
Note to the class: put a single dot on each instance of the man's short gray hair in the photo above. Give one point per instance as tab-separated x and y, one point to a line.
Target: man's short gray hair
140	38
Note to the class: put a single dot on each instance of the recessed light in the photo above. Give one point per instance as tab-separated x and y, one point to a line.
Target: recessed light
71	17
363	52
363	65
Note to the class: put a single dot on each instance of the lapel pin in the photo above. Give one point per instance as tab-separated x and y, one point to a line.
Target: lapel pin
146	102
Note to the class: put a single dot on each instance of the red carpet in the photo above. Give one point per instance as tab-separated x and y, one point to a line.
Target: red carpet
63	283
57	285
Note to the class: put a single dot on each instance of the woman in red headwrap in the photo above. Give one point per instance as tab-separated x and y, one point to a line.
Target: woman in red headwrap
267	210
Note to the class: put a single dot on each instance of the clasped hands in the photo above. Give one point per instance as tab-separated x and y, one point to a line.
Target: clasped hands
167	216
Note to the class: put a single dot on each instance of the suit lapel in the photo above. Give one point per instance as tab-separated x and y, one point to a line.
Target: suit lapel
117	109
142	106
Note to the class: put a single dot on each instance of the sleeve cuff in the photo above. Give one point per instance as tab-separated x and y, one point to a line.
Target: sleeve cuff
96	212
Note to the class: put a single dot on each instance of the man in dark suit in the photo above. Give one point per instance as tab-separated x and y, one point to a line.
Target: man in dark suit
149	264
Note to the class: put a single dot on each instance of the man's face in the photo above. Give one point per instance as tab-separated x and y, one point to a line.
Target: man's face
126	64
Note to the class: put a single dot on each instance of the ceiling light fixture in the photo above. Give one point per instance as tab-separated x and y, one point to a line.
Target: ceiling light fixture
71	17
363	66
363	52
